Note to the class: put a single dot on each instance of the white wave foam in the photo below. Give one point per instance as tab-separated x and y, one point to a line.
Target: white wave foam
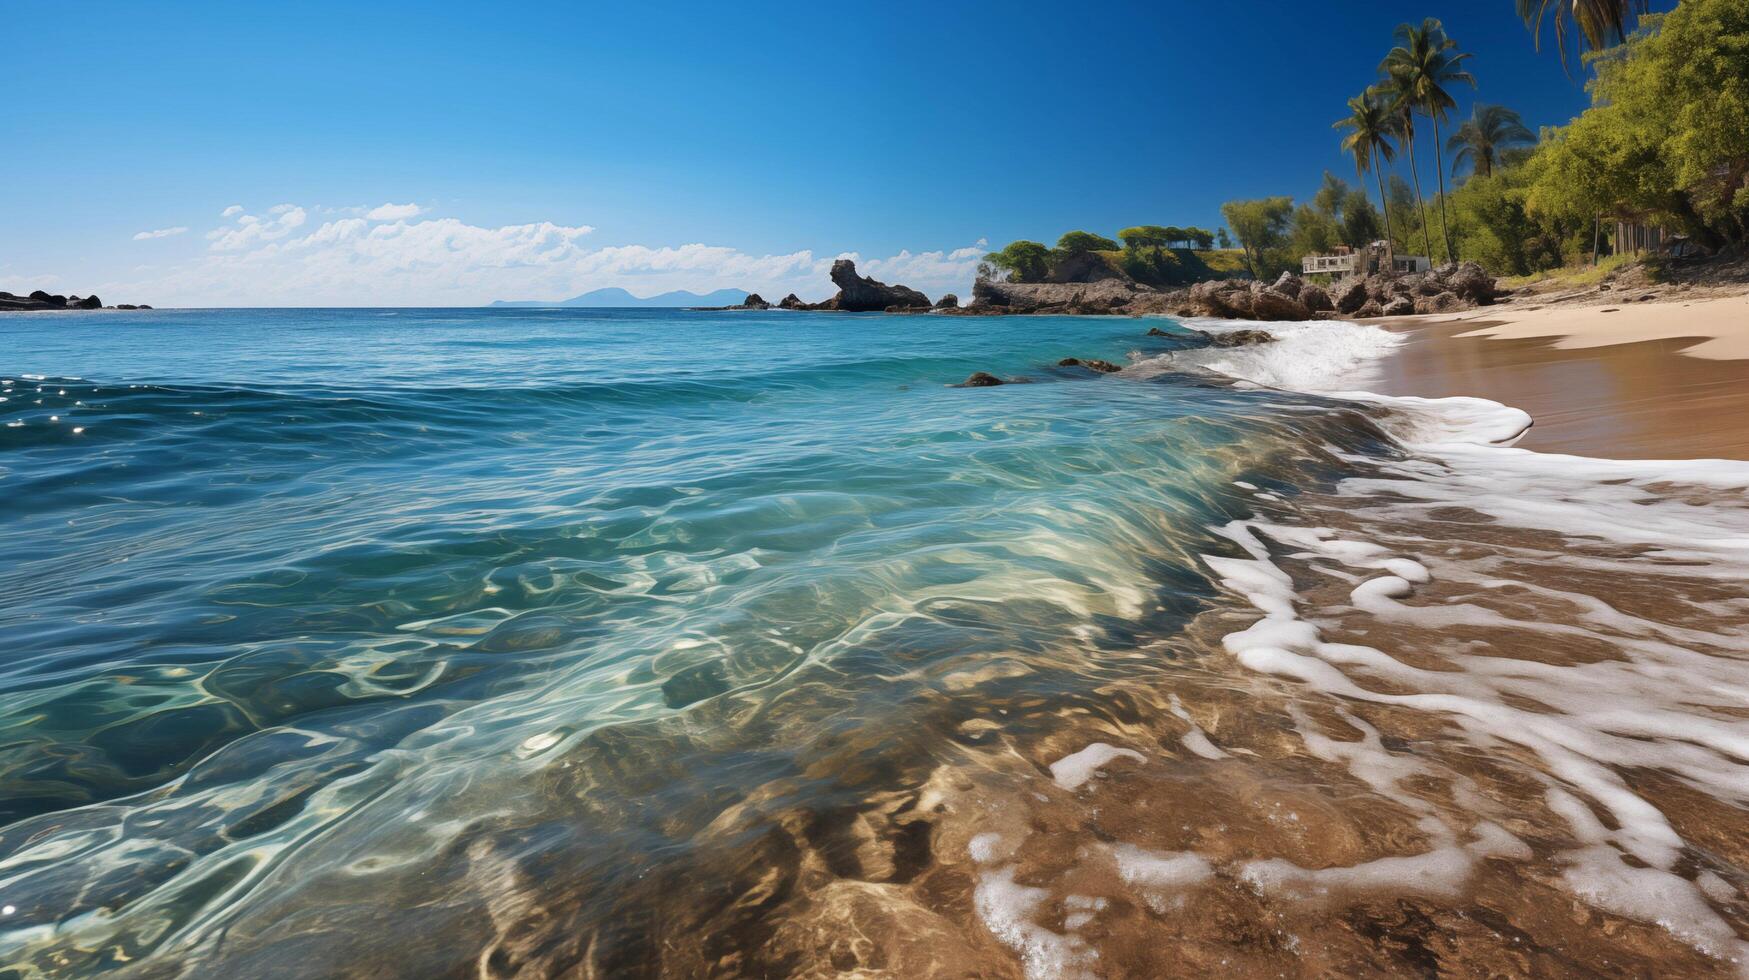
1313	356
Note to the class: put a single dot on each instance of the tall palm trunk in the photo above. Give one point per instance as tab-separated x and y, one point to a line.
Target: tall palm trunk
1439	164
1385	206
1420	202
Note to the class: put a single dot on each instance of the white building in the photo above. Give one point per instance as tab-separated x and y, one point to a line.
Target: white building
1346	261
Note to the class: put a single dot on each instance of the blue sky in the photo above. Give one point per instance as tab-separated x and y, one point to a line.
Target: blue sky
547	148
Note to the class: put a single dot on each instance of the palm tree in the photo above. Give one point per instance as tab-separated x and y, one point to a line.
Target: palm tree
1370	127
1491	130
1423	65
1394	94
1600	23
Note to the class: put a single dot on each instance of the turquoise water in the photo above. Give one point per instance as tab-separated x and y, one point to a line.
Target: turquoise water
324	626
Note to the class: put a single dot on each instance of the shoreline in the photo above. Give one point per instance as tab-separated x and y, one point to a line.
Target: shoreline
1661	380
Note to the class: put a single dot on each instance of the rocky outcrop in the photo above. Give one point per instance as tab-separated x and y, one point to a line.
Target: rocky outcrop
1091	364
981	379
948	301
1241	338
1446	289
791	302
1085	267
1106	296
40	300
754	302
860	294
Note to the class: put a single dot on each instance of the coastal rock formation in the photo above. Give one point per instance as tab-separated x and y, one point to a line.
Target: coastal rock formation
1105	296
1349	295
754	302
948	301
1086	267
1091	364
1452	287
40	300
791	302
981	379
860	294
1241	338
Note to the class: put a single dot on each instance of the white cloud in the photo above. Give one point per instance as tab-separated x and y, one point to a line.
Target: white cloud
234	209
395	212
250	230
371	261
160	233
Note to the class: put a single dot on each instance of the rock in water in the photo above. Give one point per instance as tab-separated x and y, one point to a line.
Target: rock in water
1157	332
948	301
860	294
1091	364
791	302
981	379
90	303
755	302
1241	338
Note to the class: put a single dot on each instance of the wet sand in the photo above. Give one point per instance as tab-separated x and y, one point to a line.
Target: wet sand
1627	389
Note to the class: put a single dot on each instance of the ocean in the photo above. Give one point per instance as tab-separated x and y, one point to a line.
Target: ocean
521	642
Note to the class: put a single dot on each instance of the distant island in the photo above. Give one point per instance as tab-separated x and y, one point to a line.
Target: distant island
613	296
40	301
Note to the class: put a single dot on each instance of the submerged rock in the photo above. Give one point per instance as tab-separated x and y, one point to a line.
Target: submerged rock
981	379
1091	364
1157	332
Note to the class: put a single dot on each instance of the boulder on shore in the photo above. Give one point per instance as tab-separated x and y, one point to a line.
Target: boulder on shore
860	294
1399	306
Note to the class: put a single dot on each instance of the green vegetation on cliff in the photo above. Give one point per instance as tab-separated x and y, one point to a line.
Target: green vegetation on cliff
1154	255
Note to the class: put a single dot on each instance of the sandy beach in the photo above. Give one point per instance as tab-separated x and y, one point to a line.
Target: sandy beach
1630	380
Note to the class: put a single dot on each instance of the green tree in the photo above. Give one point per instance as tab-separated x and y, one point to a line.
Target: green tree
1202	238
1222	238
1370	129
1422	68
1261	227
1077	242
1331	193
1668	129
1599	23
1360	220
1313	232
1023	260
1489	133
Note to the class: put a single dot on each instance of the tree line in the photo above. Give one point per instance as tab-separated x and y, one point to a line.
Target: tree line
1147	252
1665	141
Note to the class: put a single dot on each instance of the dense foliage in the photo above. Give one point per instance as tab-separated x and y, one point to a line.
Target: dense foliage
1665	141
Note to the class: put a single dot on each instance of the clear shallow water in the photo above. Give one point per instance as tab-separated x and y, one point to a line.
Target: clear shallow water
525	642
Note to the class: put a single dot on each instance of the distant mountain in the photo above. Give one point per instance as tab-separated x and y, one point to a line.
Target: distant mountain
613	296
